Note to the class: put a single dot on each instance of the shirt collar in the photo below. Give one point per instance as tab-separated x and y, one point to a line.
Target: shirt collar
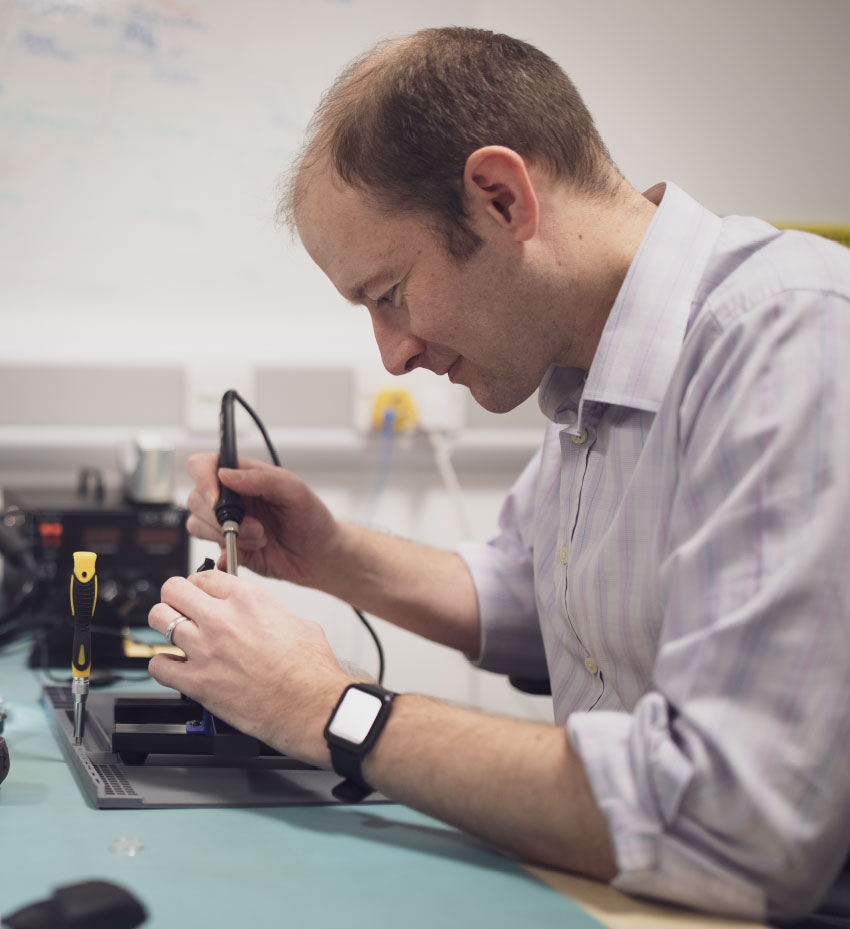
643	334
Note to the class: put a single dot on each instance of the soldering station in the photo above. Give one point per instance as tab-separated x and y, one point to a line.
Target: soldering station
140	544
81	570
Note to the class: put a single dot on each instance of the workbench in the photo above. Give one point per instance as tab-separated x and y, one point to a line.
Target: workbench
311	867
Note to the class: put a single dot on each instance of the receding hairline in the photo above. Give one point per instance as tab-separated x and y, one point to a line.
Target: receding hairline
312	156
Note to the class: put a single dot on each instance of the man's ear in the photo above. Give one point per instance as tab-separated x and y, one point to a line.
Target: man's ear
498	186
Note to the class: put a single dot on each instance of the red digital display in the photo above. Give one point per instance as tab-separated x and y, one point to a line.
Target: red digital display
157	536
101	538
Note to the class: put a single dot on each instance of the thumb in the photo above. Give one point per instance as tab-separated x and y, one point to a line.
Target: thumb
253	482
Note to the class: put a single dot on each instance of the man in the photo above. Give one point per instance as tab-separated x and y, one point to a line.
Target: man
673	558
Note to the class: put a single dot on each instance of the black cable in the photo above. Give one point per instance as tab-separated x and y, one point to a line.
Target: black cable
377	642
260	426
276	460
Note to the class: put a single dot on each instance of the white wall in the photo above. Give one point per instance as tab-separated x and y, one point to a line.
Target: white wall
741	102
140	150
141	142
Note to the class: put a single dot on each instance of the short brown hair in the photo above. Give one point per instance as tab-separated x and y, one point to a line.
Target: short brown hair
401	121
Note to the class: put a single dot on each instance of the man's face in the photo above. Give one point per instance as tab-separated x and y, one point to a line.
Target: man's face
474	321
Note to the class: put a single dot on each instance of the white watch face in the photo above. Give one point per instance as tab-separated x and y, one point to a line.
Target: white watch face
354	718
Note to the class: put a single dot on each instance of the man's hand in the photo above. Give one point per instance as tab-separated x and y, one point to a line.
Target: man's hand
272	675
250	661
287	533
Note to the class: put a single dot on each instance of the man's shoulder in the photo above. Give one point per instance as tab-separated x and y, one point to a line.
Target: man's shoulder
756	264
765	291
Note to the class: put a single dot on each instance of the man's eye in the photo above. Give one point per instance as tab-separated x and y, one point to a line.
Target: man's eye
388	298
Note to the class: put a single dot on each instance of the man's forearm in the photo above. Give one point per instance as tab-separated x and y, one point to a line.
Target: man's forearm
425	590
516	784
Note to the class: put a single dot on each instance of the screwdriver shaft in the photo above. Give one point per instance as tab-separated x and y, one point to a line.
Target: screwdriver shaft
80	690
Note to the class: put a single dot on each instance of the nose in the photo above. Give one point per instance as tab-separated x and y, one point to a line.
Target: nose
400	349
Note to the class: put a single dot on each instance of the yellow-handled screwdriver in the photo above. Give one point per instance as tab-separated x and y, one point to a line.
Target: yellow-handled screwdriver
83	600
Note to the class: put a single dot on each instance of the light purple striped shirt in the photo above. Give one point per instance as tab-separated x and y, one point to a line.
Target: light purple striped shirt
677	558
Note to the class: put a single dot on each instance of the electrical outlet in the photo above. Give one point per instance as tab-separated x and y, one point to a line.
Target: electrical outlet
400	403
439	404
205	386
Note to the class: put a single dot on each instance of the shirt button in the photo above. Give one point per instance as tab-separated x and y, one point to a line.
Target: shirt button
564	554
591	665
579	439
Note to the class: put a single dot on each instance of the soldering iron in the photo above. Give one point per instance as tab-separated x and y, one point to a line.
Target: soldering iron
229	510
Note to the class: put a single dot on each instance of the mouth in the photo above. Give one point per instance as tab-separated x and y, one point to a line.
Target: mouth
453	370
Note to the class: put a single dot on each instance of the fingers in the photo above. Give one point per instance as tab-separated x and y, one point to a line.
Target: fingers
218	584
184	634
260	480
173	672
252	479
202	522
194	599
202	469
191	596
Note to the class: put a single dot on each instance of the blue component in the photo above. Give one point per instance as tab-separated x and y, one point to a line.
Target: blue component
202	726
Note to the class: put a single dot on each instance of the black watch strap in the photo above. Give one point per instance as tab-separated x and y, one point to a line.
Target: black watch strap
347	758
351	791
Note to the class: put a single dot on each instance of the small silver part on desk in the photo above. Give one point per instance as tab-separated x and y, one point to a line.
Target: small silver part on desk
126	846
231	531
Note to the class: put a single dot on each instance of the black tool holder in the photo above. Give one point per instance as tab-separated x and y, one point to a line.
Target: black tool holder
176	726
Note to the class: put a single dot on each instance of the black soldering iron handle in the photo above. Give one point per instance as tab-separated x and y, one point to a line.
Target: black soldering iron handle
229	506
227	457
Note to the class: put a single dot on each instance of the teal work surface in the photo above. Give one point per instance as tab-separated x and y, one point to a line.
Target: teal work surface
316	866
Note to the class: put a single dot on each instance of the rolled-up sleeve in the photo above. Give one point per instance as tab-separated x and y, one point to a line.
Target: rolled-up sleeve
726	787
503	572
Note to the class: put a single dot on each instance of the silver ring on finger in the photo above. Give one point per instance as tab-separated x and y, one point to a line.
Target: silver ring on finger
169	629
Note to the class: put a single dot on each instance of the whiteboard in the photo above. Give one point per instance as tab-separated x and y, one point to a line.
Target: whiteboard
141	142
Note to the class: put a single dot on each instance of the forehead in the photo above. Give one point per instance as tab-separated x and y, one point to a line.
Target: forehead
349	237
328	207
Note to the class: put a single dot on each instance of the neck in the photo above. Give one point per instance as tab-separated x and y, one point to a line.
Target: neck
598	239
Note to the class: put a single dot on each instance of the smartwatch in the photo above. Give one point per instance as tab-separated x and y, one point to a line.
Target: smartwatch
353	728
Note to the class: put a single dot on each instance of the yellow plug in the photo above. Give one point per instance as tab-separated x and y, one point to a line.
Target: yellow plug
402	405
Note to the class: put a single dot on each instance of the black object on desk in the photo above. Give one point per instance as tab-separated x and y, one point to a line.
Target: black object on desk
4	748
90	905
4	759
180	769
